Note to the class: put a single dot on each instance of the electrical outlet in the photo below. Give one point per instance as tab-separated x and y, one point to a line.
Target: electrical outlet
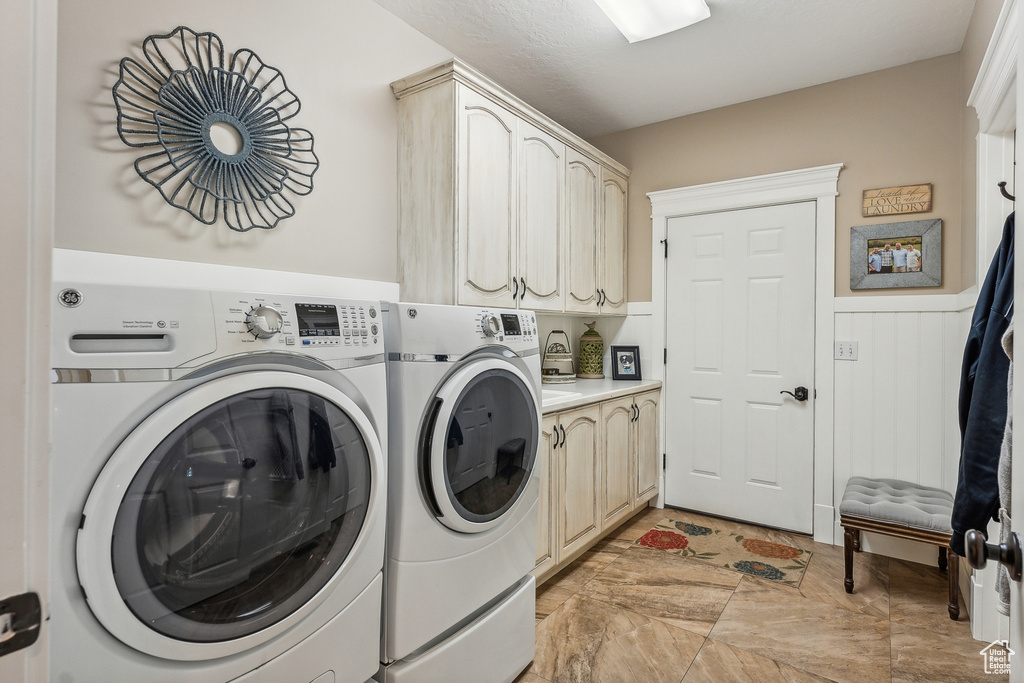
846	350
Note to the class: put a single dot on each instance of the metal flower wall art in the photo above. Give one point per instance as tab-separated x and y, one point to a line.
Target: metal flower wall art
219	130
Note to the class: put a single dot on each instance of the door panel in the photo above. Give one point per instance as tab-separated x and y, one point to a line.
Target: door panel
740	288
616	444
647	453
612	279
583	179
578	476
487	208
541	218
545	525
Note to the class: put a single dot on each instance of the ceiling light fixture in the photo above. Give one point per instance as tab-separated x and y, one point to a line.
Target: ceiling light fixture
642	19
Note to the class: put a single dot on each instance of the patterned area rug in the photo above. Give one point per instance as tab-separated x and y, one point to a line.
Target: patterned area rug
753	556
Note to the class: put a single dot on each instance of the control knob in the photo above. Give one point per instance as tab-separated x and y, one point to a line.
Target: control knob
264	321
490	324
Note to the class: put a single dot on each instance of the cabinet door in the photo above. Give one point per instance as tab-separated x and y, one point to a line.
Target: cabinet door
487	249
616	492
583	209
648	456
578	479
612	248
546	504
541	219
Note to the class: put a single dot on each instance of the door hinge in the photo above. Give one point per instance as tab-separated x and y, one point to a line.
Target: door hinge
664	460
20	617
664	356
665	242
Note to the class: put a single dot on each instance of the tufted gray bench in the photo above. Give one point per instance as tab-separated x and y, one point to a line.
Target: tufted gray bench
904	510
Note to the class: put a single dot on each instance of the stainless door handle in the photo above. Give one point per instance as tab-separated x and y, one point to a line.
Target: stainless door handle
979	553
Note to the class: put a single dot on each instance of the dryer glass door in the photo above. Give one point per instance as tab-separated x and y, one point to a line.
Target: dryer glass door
237	515
483	444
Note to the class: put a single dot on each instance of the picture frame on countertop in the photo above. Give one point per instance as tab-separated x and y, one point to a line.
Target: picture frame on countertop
626	362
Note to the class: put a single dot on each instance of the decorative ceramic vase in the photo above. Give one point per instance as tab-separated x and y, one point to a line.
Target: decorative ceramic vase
591	354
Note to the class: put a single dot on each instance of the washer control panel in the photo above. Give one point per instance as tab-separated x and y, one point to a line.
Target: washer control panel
301	323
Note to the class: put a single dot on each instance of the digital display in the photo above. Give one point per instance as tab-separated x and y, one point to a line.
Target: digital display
318	320
510	321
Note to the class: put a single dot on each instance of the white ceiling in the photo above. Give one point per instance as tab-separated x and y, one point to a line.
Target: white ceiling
566	58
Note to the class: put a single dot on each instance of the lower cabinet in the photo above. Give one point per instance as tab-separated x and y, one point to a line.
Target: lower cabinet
598	465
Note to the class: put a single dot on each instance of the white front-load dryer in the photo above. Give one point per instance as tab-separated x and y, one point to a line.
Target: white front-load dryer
464	410
218	486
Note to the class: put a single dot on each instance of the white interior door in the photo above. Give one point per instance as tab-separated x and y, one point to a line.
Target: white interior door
740	328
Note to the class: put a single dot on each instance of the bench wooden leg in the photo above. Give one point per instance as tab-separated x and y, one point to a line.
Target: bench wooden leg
942	558
954	585
851	539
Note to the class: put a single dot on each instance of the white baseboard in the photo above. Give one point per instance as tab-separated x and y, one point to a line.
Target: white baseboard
824	525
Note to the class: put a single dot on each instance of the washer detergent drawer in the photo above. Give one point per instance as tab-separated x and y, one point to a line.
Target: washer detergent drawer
496	647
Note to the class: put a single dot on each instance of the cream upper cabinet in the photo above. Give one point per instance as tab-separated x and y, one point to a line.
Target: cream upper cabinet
487	201
611	280
501	206
541	219
583	184
647	455
596	227
617	451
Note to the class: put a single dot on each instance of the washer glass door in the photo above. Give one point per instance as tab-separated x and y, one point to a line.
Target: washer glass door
483	444
234	517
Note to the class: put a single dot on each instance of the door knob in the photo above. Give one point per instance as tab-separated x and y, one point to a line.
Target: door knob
800	393
979	553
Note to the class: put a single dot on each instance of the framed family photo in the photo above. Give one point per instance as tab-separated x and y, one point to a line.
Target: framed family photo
626	362
889	255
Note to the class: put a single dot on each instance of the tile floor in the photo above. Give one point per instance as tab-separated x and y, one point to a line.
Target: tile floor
622	613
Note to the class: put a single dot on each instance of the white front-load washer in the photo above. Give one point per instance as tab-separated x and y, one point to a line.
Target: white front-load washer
218	486
464	411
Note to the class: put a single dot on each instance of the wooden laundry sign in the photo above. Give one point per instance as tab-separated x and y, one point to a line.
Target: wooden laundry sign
887	201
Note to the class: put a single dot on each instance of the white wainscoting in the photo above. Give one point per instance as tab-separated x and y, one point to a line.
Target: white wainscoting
896	405
896	413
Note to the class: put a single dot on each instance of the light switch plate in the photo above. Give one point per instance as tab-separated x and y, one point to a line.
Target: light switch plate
846	350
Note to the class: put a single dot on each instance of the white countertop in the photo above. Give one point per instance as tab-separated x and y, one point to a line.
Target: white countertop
586	391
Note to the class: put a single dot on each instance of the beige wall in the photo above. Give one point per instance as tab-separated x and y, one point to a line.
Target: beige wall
983	21
899	126
338	57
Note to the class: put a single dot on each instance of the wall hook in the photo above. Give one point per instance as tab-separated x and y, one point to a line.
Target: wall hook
1002	190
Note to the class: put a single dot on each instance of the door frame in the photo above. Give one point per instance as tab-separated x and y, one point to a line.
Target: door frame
820	185
994	99
28	42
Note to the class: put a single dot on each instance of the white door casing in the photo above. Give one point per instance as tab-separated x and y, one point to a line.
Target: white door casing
740	289
1013	21
28	45
818	184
